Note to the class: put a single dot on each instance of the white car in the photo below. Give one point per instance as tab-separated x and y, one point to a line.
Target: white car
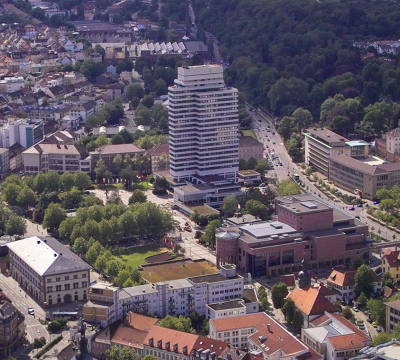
31	310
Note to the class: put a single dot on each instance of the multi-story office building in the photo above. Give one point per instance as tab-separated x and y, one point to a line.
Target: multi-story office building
4	162
11	84
305	224
26	132
56	157
321	144
393	141
392	315
50	272
203	124
12	328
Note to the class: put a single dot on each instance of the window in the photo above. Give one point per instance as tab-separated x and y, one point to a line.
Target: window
75	276
58	279
49	280
67	286
67	278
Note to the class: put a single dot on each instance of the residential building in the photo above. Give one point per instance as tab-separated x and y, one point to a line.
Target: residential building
159	157
102	304
203	124
249	176
303	224
225	309
392	315
48	271
12	328
56	157
260	334
393	141
42	112
4	163
391	263
107	153
16	157
388	351
334	337
311	303
11	84
26	132
321	144
343	284
362	178
84	110
250	147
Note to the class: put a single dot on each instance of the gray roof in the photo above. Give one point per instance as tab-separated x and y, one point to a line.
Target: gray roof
231	304
326	135
264	229
47	256
357	165
211	278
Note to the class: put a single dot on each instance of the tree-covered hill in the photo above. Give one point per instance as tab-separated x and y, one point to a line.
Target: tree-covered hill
298	53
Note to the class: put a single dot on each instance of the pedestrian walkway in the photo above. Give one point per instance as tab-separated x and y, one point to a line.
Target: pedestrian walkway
33	229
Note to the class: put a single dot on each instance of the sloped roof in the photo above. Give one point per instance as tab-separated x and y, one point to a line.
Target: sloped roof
233	323
392	257
347	278
118	149
141	322
311	302
128	336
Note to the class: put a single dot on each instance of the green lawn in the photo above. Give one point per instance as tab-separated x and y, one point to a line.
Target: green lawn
249	133
139	254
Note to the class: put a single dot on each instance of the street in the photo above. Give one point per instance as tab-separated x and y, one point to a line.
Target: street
21	300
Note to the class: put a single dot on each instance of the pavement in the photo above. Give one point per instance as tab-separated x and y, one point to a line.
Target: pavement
21	300
193	249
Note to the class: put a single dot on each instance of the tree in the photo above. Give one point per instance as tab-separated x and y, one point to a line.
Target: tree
137	197
230	204
148	101
381	338
289	308
177	323
262	166
264	303
387	280
92	254
160	186
356	263
364	281
67	181
256	208
114	198
288	187
113	353
134	90
135	102
278	295
80	246
378	311
102	172
142	115
91	69
118	161
26	198
10	193
54	216
39	342
15	225
82	181
298	320
285	128
348	314
209	234
362	300
251	163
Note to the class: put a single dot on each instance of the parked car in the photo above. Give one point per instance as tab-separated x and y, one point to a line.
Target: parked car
262	184
378	330
374	324
351	208
360	205
31	310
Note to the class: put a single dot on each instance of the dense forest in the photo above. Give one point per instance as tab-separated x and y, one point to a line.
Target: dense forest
299	53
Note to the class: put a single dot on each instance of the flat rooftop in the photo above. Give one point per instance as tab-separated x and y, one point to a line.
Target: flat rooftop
265	229
249	295
174	270
226	305
305	207
326	135
373	161
212	278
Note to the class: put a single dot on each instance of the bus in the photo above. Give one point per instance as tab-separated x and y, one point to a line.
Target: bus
70	315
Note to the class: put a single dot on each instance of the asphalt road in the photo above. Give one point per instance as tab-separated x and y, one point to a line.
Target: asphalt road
22	301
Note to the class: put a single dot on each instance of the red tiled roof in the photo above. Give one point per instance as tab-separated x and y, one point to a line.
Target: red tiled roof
347	342
320	320
311	355
347	278
180	338
392	257
311	302
387	292
277	338
236	322
141	322
323	290
289	280
204	343
126	335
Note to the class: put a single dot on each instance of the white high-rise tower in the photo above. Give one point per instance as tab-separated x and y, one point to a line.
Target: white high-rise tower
203	124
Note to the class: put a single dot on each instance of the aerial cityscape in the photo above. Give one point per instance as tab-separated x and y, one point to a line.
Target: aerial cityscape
199	180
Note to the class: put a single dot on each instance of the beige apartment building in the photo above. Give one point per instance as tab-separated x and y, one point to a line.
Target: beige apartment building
56	157
250	147
51	273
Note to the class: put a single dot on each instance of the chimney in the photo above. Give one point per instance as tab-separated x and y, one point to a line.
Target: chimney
269	327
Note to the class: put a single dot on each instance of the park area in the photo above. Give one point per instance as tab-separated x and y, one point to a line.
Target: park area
145	254
177	270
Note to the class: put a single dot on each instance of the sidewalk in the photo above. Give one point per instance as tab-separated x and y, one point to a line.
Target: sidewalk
33	229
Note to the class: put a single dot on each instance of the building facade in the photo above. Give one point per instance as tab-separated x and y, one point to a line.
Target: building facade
305	224
51	273
393	141
391	263
250	147
4	163
392	315
11	84
12	328
26	132
203	124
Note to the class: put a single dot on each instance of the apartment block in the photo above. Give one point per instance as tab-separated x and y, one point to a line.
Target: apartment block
11	84
392	315
43	112
304	224
203	124
4	163
391	263
48	271
56	157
